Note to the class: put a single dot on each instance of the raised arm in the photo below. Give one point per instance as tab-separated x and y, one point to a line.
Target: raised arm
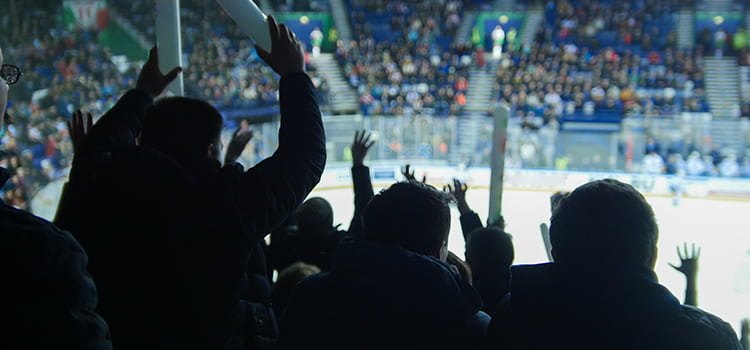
363	191
122	123
274	188
470	221
689	267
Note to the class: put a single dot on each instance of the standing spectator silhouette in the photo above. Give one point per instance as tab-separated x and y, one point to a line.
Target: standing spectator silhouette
601	291
50	297
168	228
489	251
309	235
392	289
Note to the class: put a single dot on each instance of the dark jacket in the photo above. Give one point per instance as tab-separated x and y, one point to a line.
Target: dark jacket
50	298
493	285
169	244
381	296
554	306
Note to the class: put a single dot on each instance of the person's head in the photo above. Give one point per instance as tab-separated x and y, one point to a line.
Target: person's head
555	199
604	222
287	280
412	215
9	75
186	129
314	216
489	251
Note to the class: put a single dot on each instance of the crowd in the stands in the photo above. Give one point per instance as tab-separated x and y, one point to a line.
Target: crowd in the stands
606	58
403	60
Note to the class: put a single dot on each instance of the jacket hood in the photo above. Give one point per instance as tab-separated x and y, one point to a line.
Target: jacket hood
401	285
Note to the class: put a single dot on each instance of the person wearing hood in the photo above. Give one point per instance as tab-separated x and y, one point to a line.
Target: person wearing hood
601	290
393	289
50	296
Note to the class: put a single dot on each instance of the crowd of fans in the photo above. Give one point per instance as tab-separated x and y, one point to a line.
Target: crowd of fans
574	67
63	69
679	159
555	80
160	242
407	64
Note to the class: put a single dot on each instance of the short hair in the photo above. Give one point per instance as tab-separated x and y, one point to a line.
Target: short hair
492	248
181	127
604	222
412	215
288	278
555	199
315	216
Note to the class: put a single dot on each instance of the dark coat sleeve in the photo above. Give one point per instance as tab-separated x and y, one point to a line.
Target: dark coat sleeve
469	223
363	192
275	187
51	298
120	125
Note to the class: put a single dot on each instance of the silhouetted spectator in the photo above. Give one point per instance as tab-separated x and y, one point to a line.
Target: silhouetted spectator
168	228
745	334
309	235
285	283
601	289
489	252
50	298
393	289
306	236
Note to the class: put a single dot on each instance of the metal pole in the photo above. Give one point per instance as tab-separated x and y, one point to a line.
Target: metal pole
169	41
497	160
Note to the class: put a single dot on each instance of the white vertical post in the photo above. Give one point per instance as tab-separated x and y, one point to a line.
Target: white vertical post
250	18
169	41
497	160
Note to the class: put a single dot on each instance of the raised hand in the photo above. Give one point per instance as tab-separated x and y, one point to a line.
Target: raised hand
409	174
78	127
458	190
360	146
237	145
151	80
286	54
688	260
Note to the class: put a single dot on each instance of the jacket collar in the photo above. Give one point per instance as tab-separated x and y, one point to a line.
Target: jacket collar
4	176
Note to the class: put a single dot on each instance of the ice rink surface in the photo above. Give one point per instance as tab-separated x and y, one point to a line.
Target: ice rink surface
719	227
